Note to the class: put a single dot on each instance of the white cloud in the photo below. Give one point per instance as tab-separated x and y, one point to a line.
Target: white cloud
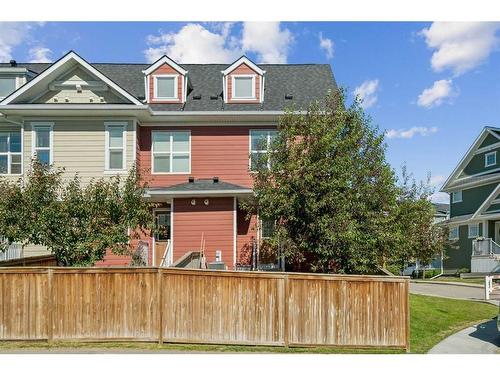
367	92
268	40
435	95
437	180
410	133
214	43
460	46
326	45
11	35
440	197
40	55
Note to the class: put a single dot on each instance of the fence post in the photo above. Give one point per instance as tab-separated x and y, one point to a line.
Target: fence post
50	307
286	325
159	298
407	328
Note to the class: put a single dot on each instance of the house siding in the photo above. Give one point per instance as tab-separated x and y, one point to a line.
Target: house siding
471	200
246	232
221	151
458	253
213	222
476	165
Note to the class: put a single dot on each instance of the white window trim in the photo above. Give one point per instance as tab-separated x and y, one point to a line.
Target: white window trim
34	127
176	86
453	196
469	230
486	159
451	231
171	152
233	86
10	153
108	125
269	131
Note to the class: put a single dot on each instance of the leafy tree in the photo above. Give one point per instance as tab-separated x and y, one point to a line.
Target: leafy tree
326	182
418	237
77	223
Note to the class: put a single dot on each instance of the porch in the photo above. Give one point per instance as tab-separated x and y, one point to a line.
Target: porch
485	256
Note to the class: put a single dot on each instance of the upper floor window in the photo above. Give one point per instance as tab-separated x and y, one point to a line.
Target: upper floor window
115	146
171	151
10	152
456	196
42	143
260	142
473	230
490	159
7	86
243	86
453	234
166	87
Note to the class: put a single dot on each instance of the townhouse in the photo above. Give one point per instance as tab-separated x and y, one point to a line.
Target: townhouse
193	131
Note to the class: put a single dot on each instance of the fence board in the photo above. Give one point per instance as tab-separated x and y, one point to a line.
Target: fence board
192	306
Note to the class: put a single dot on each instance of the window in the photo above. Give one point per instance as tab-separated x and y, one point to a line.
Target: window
7	86
453	235
473	230
490	159
243	87
456	196
267	226
10	152
171	152
260	141
115	147
42	143
166	87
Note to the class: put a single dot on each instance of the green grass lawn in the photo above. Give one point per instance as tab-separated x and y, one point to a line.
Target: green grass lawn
431	320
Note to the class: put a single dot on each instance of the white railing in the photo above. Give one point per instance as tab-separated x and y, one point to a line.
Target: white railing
165	261
492	288
14	251
485	247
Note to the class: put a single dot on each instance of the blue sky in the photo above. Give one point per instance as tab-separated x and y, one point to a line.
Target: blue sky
431	86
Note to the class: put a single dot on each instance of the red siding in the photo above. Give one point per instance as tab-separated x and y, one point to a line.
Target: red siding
221	151
113	260
247	230
243	69
165	69
214	221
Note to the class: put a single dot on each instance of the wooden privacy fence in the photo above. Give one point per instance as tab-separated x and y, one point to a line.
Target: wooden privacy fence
192	306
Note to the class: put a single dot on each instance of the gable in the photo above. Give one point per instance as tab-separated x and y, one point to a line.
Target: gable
477	164
489	140
165	70
58	77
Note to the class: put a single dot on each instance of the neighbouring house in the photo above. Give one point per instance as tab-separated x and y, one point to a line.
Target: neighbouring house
474	222
192	130
441	212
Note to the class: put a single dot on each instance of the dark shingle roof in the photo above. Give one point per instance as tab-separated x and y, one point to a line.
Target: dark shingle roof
442	208
305	82
201	185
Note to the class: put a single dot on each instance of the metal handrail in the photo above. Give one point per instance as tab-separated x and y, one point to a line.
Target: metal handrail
485	247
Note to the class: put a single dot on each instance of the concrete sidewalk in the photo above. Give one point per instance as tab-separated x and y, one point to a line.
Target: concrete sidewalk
480	339
448	290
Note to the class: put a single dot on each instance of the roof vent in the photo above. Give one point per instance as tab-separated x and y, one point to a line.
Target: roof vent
216	180
190	179
197	97
13	63
288	96
214	97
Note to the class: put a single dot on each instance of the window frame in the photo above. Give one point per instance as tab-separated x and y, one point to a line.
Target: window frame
171	152
469	226
453	238
251	152
234	77
261	222
494	153
10	153
107	154
38	125
453	200
16	84
176	86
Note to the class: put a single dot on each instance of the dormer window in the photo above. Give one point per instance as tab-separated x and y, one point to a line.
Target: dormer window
7	86
243	87
166	86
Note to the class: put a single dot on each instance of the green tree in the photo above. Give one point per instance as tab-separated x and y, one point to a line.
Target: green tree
77	223
326	182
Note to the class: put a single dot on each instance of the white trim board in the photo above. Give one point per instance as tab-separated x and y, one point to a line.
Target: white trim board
164	60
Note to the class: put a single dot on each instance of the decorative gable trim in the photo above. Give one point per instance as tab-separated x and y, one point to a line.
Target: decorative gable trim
487	202
58	64
164	60
243	60
468	156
